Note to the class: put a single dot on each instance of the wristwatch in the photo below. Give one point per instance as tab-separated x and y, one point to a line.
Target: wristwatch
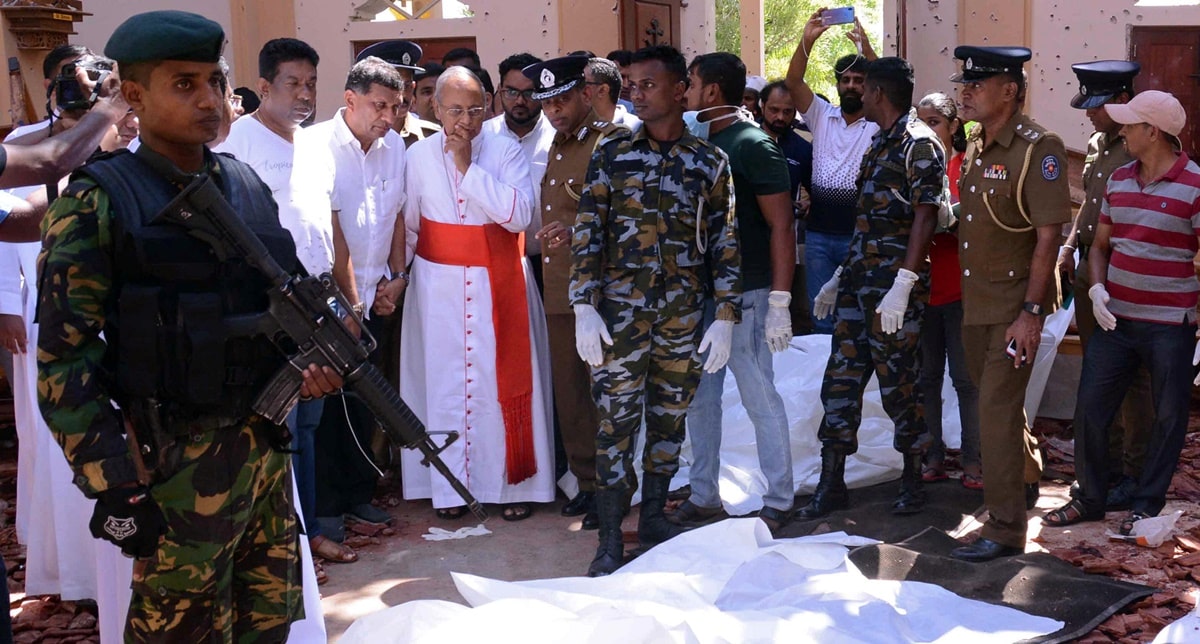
401	275
1033	308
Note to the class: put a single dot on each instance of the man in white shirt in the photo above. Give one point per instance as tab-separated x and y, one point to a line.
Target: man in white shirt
352	167
287	85
522	121
602	86
841	137
474	344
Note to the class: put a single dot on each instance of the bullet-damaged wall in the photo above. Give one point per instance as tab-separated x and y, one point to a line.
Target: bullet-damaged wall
1069	32
1060	33
931	32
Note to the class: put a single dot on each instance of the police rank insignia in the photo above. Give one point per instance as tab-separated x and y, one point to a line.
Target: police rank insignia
547	78
997	171
406	58
1050	167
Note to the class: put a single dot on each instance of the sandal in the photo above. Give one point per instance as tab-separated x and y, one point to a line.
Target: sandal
690	513
972	481
516	512
332	551
319	569
1127	523
450	514
1070	514
931	473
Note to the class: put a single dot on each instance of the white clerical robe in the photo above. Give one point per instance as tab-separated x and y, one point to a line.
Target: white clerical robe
448	348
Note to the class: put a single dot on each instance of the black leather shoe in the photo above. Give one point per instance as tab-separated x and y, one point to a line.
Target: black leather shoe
984	550
581	504
1032	492
591	521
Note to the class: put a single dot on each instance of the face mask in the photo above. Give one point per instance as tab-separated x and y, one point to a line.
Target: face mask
699	128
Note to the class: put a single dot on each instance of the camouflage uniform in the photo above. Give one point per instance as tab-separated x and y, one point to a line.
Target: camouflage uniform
902	166
228	566
636	259
576	409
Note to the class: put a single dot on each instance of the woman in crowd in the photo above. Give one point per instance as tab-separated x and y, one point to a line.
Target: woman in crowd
941	329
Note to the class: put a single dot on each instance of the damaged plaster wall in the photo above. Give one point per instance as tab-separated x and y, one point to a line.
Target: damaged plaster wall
1067	32
931	35
1062	32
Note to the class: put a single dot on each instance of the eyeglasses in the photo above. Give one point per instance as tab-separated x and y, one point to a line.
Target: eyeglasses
236	101
475	113
512	94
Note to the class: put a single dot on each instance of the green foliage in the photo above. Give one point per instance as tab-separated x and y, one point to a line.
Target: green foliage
783	22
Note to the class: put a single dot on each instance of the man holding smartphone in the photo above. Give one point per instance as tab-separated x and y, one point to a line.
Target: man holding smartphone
840	138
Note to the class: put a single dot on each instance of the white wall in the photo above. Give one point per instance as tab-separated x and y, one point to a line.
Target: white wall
1064	32
931	34
1067	32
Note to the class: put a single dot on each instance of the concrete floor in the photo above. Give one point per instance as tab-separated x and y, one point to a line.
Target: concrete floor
405	567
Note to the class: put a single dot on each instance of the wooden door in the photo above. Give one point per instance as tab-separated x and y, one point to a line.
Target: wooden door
1170	59
649	22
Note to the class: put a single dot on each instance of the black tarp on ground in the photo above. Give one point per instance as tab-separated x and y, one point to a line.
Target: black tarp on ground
917	548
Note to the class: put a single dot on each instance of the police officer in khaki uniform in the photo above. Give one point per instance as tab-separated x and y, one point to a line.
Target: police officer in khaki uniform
1102	82
559	86
1014	200
404	55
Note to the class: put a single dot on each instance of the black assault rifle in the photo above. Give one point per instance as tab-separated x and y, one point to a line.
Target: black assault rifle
305	320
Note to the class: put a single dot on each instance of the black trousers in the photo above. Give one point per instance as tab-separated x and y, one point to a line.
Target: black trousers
346	476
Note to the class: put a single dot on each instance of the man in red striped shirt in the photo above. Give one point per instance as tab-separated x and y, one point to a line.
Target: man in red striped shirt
1144	292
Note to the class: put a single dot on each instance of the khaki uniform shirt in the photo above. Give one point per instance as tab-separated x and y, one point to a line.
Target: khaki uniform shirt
414	129
1104	155
566	169
1007	191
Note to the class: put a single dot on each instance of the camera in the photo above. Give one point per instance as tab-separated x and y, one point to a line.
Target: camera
70	95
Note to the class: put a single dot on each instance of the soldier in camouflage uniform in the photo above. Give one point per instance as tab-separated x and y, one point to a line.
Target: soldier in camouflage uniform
655	233
134	312
886	273
559	87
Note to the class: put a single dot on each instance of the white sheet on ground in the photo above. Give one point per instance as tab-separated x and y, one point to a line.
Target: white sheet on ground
798	375
727	582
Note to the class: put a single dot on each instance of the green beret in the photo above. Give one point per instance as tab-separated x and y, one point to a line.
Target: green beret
166	35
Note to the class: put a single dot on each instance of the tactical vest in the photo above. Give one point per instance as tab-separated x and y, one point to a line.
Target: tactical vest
181	328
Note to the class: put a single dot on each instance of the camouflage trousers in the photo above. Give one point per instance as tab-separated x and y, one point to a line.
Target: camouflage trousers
860	348
228	568
651	367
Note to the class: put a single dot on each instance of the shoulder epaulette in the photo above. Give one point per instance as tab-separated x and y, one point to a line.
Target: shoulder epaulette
1031	131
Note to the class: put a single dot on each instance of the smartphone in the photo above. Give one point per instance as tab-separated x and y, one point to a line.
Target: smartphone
839	16
1011	350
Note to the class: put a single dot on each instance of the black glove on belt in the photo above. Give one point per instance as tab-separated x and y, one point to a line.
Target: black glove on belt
129	518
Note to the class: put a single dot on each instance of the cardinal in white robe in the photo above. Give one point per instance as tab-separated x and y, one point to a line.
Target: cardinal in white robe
473	352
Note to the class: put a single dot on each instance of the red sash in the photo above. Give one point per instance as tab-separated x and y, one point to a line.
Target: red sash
499	251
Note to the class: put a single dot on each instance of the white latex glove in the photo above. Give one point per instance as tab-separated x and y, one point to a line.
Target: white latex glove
1196	359
589	333
717	340
827	298
895	302
779	321
1099	297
